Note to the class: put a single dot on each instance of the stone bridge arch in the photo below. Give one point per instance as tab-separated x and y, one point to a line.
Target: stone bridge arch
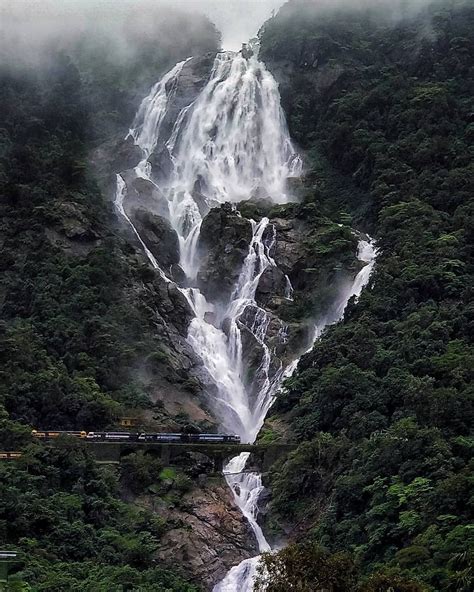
213	455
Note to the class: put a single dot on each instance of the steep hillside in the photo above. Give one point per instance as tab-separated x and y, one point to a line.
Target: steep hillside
87	333
80	307
382	406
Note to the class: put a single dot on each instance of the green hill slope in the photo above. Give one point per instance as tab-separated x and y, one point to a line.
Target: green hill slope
382	406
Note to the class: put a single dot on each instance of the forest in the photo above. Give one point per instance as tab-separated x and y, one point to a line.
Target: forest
382	407
68	330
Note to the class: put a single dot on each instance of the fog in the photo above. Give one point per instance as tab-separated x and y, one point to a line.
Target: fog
238	20
27	25
31	23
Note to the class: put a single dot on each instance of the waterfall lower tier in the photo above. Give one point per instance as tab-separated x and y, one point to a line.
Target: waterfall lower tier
240	578
248	486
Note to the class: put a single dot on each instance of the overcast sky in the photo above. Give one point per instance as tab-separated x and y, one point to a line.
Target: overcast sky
238	20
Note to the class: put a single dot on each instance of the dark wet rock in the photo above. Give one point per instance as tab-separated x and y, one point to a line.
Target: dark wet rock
273	283
178	275
183	312
126	155
143	194
288	249
194	76
158	235
112	157
161	163
256	209
223	242
263	500
169	371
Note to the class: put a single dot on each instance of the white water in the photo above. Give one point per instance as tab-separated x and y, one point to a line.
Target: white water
247	487
229	144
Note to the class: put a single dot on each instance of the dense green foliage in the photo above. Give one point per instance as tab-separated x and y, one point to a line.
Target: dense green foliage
71	324
66	337
383	405
63	514
68	332
307	567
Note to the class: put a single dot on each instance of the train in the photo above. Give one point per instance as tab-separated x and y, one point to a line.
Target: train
140	437
9	455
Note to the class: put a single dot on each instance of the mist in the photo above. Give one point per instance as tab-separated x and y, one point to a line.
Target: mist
238	20
28	26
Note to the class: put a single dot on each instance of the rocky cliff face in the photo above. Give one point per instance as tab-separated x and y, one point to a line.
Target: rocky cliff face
210	534
313	259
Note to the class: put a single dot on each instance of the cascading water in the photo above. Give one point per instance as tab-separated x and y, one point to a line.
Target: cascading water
227	143
247	487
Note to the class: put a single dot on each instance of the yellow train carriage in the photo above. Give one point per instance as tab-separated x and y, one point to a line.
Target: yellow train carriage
56	434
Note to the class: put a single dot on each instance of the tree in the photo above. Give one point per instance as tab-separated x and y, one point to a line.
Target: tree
305	568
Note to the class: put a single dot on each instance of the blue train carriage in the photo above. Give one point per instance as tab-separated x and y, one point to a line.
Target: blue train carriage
112	436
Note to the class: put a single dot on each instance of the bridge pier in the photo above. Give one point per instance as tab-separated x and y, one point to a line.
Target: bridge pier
218	463
165	454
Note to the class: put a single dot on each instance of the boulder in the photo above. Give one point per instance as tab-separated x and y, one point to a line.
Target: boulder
126	155
288	250
158	235
178	274
273	283
143	194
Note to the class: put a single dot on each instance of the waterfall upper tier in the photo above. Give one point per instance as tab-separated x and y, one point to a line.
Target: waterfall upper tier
216	136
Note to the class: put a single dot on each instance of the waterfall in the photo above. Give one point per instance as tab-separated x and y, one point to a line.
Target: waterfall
226	143
247	487
229	144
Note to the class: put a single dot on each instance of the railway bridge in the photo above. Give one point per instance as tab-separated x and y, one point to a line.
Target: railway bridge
262	455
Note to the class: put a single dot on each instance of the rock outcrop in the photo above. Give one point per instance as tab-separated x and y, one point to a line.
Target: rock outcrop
210	535
223	243
159	237
272	287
